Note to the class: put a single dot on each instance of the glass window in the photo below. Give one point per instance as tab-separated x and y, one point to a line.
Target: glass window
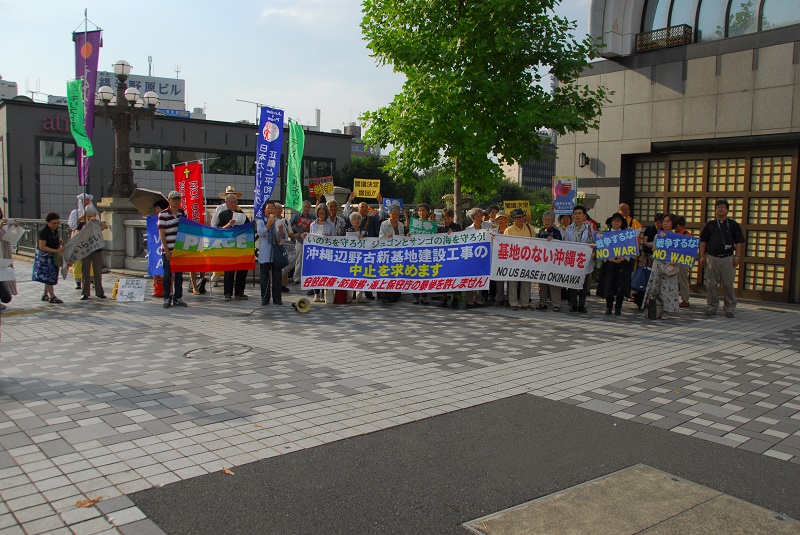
683	12
743	18
250	165
168	158
221	163
711	22
777	13
51	153
145	158
70	154
655	15
315	168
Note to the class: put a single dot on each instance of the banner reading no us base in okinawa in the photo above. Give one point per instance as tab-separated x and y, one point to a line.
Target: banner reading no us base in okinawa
424	263
562	263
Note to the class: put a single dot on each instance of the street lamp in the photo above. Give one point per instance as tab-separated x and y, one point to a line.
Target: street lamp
125	108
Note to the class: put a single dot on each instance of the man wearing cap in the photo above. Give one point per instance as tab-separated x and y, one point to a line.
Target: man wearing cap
168	220
721	244
519	292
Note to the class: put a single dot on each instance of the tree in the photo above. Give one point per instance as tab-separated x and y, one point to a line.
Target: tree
373	167
432	186
473	69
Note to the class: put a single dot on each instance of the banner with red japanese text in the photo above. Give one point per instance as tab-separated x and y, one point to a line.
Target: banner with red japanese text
562	263
319	186
189	183
459	261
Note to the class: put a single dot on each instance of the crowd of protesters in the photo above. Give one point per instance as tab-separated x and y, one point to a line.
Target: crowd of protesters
280	255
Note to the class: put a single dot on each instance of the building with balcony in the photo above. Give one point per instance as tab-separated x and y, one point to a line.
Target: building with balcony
705	105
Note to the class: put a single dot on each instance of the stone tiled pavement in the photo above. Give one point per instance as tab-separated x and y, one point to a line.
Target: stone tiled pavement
105	399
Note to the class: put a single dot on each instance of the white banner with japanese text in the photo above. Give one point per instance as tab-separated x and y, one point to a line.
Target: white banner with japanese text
561	263
459	261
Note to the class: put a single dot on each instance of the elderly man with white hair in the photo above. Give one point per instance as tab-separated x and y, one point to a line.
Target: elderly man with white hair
390	228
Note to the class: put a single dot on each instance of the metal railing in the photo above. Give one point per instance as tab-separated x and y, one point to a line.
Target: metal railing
29	241
664	38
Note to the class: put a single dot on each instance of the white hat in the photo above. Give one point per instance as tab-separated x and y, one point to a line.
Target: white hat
83	196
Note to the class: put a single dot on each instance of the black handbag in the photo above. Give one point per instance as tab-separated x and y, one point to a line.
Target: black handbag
280	257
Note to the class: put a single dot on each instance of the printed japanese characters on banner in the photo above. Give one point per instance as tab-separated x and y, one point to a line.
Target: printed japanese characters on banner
676	248
388	202
424	263
517	258
189	183
321	185
617	244
422	226
85	242
509	206
87	55
131	290
367	188
268	157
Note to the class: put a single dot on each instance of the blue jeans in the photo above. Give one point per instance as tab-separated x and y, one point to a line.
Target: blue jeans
168	293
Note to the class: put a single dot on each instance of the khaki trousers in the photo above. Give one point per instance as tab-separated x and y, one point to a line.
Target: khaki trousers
683	283
720	270
524	288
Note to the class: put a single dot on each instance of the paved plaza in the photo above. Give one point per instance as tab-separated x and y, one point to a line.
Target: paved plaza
145	406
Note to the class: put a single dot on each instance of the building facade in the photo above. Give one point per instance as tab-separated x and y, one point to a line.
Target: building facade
534	175
38	171
705	105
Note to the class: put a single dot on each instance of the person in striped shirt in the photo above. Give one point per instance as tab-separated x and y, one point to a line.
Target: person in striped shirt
168	220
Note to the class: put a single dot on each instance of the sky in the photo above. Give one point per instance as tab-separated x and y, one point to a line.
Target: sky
298	55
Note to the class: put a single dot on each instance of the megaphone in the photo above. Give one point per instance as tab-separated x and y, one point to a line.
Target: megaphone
302	305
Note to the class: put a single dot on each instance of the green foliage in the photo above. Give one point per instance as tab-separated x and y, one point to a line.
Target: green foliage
432	186
472	70
373	167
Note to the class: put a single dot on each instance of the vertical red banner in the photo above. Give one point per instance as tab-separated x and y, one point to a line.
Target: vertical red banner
189	182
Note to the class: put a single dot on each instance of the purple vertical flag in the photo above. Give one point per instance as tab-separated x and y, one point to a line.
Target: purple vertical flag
268	157
87	52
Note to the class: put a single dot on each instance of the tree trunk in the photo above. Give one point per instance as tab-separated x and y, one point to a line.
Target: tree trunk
457	195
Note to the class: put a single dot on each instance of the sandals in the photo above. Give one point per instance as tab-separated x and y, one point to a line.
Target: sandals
556	309
56	300
541	306
45	298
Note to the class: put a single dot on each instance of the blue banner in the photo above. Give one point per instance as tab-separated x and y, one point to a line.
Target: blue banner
617	244
387	203
423	263
268	157
155	264
565	194
676	248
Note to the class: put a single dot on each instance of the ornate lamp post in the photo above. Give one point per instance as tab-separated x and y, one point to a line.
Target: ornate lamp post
125	109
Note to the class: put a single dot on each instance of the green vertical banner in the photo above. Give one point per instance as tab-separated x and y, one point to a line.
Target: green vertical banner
294	186
76	116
